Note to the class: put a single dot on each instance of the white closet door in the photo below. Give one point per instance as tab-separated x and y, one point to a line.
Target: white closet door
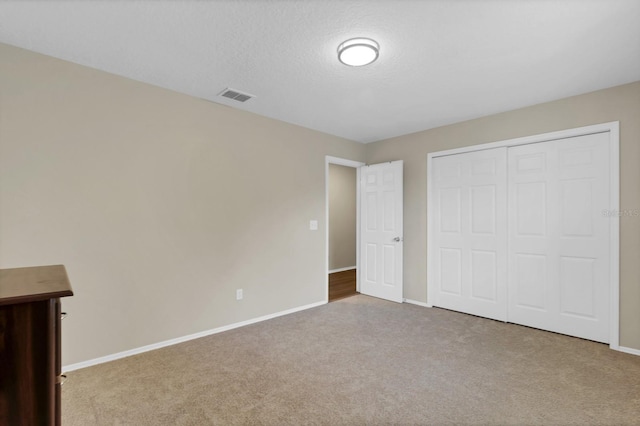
559	236
469	196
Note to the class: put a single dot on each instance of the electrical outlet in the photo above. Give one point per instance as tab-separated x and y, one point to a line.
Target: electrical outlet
239	294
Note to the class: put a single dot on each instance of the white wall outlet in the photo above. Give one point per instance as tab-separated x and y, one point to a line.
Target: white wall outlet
239	294
313	225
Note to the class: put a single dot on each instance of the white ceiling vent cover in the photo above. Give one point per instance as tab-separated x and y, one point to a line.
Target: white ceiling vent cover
236	95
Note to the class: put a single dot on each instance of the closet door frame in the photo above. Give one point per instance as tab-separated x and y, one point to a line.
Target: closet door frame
614	206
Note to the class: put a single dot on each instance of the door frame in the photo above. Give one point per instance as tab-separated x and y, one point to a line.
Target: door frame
349	163
613	128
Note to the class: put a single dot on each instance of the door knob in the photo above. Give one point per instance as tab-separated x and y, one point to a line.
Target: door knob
397	239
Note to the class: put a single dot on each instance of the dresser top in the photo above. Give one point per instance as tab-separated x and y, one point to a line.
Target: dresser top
23	285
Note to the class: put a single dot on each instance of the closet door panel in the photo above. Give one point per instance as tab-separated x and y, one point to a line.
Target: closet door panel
470	241
559	237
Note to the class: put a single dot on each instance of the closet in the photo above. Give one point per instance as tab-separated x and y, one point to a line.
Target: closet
521	232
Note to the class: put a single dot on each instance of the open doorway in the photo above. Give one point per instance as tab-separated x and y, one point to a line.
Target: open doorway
342	231
342	178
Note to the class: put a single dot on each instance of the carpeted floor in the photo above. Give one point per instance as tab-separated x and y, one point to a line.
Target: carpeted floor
361	361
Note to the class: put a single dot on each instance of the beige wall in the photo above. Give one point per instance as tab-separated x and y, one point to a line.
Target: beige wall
620	103
342	216
159	204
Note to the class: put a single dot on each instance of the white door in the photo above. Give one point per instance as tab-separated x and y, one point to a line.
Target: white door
381	230
559	237
470	213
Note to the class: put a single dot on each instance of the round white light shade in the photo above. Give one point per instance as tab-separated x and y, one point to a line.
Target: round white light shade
357	52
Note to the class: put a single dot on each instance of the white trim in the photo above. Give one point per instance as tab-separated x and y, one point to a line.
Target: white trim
357	227
431	290
544	137
614	231
613	128
349	163
415	302
629	350
183	339
344	162
348	268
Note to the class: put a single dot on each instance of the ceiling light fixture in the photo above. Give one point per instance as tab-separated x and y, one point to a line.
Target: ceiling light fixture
357	52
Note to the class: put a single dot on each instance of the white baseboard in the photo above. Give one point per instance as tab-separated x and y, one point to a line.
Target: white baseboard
182	339
629	350
348	268
415	302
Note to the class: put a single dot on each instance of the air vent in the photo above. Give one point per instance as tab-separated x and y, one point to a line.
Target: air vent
235	95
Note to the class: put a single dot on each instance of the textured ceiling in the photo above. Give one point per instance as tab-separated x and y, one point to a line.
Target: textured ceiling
441	61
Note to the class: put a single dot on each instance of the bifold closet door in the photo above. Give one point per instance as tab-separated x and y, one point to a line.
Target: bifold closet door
559	237
470	215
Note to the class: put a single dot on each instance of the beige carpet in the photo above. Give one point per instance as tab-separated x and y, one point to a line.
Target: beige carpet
361	361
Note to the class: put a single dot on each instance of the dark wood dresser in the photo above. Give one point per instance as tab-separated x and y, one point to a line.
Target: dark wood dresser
30	376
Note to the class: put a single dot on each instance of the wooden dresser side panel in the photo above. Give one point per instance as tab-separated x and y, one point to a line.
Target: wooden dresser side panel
27	365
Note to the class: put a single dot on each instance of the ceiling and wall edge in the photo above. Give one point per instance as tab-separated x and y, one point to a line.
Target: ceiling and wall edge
618	103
